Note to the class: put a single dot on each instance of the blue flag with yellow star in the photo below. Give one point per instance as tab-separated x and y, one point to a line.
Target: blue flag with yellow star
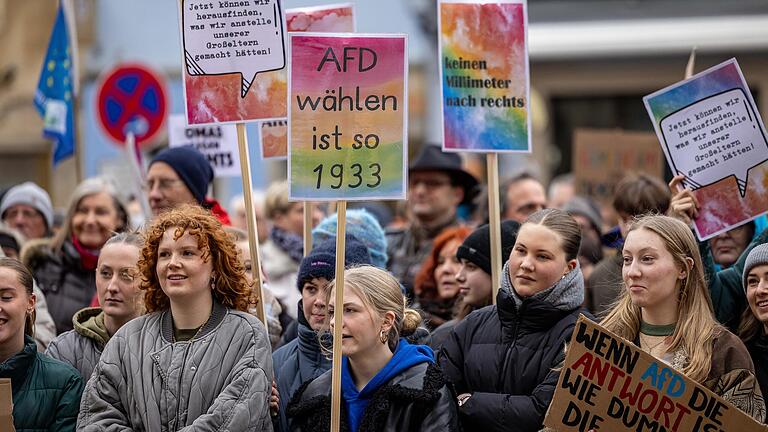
54	97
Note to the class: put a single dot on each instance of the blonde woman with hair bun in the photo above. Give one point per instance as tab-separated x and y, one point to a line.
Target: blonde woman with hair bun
388	384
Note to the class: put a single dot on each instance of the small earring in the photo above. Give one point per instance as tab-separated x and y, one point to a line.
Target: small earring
383	337
213	283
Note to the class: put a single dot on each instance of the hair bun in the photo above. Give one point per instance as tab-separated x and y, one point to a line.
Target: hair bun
411	321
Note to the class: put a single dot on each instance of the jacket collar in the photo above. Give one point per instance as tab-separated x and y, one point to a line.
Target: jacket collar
218	313
313	404
17	367
89	322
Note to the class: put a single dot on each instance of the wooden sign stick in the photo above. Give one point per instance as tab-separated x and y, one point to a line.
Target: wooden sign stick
308	225
494	213
691	64
338	315
250	218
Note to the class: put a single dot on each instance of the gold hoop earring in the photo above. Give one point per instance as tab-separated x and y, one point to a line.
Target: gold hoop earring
383	337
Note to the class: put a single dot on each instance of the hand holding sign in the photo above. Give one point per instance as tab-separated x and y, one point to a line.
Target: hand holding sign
712	134
232	36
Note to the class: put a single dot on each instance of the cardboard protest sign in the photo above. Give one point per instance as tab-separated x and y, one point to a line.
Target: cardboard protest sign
328	18
347	116
6	405
483	53
217	142
601	157
711	132
609	384
225	45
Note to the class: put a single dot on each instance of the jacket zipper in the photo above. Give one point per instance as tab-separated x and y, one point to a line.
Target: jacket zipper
178	387
507	353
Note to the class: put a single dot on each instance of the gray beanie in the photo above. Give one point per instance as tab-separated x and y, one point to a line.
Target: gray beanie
757	256
32	195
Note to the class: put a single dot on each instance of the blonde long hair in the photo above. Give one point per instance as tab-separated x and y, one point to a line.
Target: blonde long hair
696	325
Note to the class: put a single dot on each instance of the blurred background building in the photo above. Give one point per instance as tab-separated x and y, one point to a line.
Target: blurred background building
592	61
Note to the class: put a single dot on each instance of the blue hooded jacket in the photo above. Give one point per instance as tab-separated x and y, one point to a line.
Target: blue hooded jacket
405	356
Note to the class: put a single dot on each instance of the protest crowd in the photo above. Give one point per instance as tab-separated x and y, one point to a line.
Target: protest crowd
168	318
132	326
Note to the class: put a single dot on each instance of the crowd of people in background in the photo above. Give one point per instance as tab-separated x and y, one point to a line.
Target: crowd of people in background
110	320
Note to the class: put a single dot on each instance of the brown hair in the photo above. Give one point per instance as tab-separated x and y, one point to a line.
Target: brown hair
26	280
425	285
750	327
696	325
563	224
640	194
230	287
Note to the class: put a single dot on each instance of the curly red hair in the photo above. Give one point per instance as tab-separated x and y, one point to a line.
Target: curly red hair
424	284
230	288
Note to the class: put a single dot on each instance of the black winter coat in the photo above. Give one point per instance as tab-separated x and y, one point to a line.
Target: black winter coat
505	358
416	400
758	350
66	285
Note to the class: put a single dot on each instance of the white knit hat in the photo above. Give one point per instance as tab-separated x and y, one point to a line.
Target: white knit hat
32	195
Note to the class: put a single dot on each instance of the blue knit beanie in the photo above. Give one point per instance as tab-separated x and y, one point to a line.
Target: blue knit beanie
321	262
191	166
364	227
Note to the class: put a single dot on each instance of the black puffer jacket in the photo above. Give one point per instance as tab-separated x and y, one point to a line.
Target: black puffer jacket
416	400
504	356
67	286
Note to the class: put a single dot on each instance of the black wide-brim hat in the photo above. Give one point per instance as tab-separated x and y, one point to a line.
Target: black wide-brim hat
432	158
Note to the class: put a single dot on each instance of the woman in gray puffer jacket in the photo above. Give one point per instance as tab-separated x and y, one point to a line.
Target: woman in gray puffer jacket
117	287
197	361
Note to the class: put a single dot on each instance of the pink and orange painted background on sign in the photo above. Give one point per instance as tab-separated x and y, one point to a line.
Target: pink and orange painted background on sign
216	98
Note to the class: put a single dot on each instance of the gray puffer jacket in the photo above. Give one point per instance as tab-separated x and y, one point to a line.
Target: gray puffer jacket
218	381
82	347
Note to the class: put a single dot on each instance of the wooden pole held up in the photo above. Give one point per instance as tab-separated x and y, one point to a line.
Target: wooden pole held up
250	218
341	231
494	221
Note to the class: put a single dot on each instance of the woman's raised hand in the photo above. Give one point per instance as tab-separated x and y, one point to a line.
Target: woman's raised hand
684	205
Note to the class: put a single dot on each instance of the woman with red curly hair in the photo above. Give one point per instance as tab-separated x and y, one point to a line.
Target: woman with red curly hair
435	286
197	360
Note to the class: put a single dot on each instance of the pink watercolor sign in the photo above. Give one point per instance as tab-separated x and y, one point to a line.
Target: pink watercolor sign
348	113
325	19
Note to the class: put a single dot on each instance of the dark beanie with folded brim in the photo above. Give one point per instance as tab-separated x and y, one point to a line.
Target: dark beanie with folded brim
477	246
192	168
321	261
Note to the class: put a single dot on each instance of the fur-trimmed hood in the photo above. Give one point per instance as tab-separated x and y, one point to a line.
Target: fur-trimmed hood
417	399
36	251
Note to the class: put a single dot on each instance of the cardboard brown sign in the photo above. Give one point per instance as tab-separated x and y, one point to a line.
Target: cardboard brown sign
609	384
6	406
601	157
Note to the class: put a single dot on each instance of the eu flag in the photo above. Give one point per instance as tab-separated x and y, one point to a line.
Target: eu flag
54	97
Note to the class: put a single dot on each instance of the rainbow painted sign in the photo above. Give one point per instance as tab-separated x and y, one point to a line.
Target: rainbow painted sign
483	56
347	116
326	18
711	132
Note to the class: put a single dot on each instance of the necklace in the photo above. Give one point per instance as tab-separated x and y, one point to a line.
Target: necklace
644	342
196	332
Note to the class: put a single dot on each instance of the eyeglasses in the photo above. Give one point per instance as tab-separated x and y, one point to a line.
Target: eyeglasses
162	184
